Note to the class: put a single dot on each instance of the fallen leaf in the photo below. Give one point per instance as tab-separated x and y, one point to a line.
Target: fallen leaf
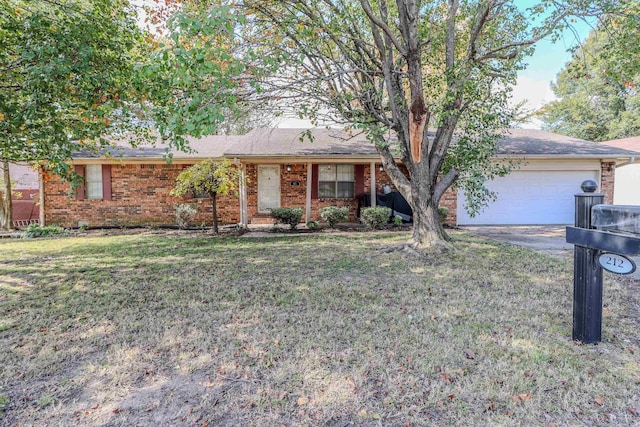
633	410
440	404
303	401
451	396
116	411
205	423
599	400
95	406
362	413
149	409
445	377
524	397
528	374
469	354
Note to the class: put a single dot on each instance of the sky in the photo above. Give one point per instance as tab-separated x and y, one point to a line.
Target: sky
534	83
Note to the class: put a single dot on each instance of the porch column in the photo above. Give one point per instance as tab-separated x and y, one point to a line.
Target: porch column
309	189
244	221
372	167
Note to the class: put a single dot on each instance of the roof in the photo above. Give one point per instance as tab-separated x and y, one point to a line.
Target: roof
632	143
333	143
275	142
539	143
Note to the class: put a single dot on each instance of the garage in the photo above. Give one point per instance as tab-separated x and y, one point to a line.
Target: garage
531	197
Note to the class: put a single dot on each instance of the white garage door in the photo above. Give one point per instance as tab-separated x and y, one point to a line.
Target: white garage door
530	197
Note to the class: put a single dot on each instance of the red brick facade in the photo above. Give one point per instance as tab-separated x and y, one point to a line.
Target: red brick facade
140	196
607	180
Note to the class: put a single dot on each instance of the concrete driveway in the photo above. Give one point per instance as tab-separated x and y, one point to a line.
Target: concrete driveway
549	239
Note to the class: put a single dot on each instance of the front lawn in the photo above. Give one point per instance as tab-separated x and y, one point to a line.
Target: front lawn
308	330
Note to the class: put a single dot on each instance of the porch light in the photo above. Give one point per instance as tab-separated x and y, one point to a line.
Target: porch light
288	168
381	168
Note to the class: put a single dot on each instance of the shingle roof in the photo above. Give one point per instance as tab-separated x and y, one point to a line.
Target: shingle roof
274	142
331	143
632	143
531	142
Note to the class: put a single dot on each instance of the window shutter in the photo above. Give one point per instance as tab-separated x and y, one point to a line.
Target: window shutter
106	182
79	169
358	172
314	181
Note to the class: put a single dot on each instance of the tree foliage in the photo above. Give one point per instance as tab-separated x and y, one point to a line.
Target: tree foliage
598	90
415	76
65	77
211	177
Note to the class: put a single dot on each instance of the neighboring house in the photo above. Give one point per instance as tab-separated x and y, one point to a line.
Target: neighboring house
279	170
25	194
627	191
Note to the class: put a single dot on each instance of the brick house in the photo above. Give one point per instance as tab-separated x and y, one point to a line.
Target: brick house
131	187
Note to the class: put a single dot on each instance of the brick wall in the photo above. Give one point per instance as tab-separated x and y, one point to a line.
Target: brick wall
607	180
140	196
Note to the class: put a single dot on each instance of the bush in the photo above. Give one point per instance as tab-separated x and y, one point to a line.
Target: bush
185	214
289	216
313	225
375	217
333	215
34	230
397	220
442	214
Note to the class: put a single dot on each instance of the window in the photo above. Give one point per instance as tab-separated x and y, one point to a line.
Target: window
93	181
335	181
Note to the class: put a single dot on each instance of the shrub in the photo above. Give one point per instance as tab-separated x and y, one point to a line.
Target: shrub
34	230
333	215
375	217
443	212
185	214
313	225
289	216
397	220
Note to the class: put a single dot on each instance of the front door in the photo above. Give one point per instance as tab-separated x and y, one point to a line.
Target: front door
268	187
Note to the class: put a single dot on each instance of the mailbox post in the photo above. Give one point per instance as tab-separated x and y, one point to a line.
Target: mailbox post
587	273
591	247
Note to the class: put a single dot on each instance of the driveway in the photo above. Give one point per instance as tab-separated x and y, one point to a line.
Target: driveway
549	239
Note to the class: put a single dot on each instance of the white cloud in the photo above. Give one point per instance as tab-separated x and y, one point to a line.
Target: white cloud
535	93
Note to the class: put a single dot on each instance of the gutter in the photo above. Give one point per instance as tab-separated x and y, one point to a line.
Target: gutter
631	160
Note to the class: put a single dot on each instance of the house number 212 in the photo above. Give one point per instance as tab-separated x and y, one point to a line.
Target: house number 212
615	263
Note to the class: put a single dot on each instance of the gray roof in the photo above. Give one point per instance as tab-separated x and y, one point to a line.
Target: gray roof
274	142
531	142
332	143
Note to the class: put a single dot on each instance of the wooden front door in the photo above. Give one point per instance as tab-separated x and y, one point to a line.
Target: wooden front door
268	187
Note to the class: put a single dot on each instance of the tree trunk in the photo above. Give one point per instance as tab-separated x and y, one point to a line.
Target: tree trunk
214	213
427	230
6	208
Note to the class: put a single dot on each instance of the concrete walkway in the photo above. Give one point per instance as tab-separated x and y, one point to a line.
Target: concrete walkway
548	239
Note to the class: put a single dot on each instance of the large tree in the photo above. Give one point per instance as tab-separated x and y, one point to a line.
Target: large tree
65	78
598	90
415	76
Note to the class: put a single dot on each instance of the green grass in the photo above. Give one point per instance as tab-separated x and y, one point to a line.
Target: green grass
315	330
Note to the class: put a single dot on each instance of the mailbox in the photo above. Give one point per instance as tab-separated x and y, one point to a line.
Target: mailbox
616	218
602	235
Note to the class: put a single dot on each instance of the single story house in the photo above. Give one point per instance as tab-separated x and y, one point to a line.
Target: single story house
627	191
131	186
